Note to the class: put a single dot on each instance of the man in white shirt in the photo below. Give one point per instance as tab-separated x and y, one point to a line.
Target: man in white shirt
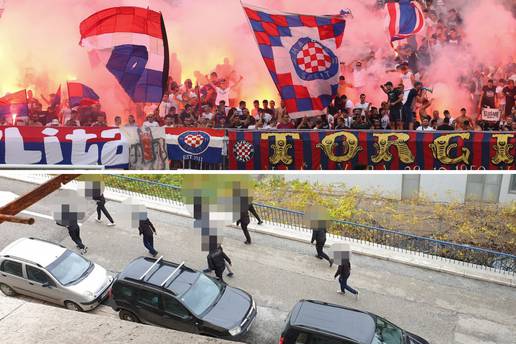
206	113
150	122
363	105
224	90
425	125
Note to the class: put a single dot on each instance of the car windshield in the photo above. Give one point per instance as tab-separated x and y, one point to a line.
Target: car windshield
387	333
201	294
69	268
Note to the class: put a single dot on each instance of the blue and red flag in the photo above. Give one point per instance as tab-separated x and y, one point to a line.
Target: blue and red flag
132	42
79	94
300	53
405	19
14	103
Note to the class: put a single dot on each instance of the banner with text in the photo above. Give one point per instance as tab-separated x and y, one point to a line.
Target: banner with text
389	150
64	146
491	115
202	145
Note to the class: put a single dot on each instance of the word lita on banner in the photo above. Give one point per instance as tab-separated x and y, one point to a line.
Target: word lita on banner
63	146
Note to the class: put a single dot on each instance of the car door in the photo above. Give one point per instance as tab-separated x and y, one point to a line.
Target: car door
148	307
11	273
42	286
176	316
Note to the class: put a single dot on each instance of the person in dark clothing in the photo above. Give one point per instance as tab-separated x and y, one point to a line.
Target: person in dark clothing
319	236
75	234
343	273
244	221
217	262
147	229
101	207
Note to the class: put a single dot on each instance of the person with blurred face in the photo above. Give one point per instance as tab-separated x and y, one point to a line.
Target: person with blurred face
131	122
118	121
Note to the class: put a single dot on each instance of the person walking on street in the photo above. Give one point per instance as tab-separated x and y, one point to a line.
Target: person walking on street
343	273
147	229
75	234
217	262
101	207
319	236
243	222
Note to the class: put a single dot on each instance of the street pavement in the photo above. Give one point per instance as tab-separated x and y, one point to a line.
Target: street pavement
440	307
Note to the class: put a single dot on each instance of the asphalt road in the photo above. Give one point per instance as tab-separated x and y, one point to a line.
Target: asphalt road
439	307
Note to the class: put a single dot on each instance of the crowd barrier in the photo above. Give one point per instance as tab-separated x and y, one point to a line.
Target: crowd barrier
162	148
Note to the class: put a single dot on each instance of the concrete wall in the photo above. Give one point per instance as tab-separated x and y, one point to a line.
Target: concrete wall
435	187
505	195
443	187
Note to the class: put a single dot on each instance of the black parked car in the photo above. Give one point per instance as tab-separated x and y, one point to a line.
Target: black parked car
316	322
158	292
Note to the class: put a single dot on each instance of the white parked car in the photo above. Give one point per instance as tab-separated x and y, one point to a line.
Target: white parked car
50	272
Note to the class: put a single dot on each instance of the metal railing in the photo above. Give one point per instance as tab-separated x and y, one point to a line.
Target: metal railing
363	233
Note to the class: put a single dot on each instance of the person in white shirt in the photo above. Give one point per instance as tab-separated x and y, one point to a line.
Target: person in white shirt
408	80
150	122
363	105
206	113
165	106
425	125
224	90
348	104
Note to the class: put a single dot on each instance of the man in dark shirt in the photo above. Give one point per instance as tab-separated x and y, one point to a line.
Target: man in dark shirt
509	92
395	99
446	125
488	95
146	228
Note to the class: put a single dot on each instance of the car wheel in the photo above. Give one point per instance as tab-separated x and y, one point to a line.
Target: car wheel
128	316
72	306
8	291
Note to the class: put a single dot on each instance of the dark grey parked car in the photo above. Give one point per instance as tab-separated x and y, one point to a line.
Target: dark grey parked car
158	292
316	322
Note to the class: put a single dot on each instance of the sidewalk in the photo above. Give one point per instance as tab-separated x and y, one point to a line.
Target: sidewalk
24	322
358	247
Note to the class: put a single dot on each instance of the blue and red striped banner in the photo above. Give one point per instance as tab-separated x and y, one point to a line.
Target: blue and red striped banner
389	150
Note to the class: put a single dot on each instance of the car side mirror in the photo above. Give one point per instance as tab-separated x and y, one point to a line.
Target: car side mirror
46	285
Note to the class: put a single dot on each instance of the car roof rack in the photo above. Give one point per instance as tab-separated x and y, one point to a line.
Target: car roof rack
23	260
150	268
172	274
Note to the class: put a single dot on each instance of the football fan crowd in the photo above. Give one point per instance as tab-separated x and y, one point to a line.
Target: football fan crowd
212	102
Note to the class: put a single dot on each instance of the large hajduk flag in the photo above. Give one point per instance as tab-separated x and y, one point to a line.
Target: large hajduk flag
79	94
300	53
405	19
14	104
132	43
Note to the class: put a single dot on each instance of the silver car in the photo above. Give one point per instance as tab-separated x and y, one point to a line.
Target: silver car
52	273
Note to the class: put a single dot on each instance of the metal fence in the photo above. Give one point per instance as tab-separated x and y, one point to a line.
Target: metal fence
363	233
